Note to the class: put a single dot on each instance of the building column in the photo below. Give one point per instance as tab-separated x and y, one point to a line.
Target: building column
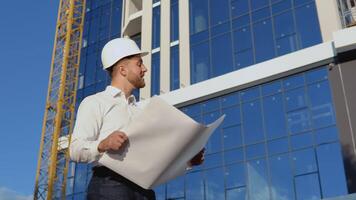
329	18
165	46
184	46
146	45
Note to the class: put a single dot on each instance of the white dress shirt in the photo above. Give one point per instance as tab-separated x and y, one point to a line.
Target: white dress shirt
98	116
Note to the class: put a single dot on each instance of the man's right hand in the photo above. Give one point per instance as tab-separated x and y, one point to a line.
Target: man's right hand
113	142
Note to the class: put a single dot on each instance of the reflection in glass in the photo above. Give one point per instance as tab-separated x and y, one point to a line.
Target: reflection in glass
281	178
257	179
200	64
252	122
304	161
236	194
274	116
214	184
194	186
235	175
307	187
175	188
331	169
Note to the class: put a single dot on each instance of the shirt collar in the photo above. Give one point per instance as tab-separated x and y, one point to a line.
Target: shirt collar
114	92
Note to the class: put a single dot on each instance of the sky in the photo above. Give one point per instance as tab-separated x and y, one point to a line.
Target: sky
27	30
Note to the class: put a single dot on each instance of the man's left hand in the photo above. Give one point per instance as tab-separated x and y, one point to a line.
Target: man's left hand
197	159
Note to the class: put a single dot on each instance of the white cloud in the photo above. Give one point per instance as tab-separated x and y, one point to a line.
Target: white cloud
8	194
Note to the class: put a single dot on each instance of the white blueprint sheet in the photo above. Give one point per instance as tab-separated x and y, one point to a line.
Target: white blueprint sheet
161	142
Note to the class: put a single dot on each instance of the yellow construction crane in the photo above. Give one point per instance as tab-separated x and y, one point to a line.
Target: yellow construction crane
58	120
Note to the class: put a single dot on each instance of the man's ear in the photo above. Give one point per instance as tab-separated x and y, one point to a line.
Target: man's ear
122	70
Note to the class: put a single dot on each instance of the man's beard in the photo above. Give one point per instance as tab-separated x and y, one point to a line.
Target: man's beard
137	81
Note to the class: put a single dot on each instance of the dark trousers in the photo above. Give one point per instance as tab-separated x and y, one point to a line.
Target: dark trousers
105	184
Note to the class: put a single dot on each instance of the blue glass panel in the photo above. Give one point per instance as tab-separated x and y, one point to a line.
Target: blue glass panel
229	100
156	27
252	122
331	169
198	16
283	24
304	161
219	29
116	18
210	105
255	4
274	116
244	59
255	151
308	28
214	143
242	39
326	135
174	22
194	188
241	21
199	37
219	11
213	160
232	116
316	75
293	82
160	192
232	137
307	187
302	140
295	99
89	90
281	6
155	77
286	44
299	121
233	156
300	2
261	14
192	110
235	175
278	146
174	68
239	7
257	179
200	64
221	55
271	88
94	30
80	182
90	70
263	37
175	188
321	104
236	194
214	184
250	94
281	177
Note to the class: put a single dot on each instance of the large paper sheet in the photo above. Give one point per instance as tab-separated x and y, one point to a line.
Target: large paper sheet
162	140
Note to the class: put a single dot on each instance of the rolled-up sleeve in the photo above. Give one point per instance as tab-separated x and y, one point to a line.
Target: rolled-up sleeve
84	139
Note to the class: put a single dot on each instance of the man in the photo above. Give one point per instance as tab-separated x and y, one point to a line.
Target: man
101	116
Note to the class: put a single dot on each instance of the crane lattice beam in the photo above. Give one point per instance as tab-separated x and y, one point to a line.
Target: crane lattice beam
58	120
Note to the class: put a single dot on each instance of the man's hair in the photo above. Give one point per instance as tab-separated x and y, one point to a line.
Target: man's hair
110	70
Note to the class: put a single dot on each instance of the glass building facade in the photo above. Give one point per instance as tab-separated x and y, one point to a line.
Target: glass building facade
226	35
279	140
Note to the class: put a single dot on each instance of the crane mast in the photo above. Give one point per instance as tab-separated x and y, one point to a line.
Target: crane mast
53	159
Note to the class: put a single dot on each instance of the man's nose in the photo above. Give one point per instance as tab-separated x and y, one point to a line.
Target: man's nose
144	69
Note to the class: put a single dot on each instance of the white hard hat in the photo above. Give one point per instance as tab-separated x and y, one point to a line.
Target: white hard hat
118	49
